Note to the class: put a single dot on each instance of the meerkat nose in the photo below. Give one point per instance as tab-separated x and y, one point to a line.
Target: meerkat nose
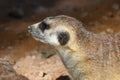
30	28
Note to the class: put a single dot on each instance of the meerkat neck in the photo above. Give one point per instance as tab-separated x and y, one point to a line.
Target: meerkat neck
76	49
84	37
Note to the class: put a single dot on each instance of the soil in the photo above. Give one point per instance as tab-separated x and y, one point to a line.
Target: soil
18	46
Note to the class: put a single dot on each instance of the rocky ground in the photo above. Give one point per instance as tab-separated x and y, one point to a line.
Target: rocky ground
36	60
8	73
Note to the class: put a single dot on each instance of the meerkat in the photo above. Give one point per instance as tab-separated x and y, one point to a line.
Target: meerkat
86	55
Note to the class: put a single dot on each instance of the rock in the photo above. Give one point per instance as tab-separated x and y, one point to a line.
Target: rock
8	73
16	13
63	78
40	9
118	13
47	53
44	74
115	6
2	47
109	30
35	52
84	14
10	47
95	23
110	14
103	32
69	9
105	17
33	57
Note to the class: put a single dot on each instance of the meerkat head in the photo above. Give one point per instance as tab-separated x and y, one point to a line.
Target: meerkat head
55	31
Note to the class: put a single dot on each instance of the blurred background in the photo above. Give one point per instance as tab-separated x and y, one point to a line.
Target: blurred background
18	46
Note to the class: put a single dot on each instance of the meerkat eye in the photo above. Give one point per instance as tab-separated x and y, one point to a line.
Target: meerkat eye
63	38
43	26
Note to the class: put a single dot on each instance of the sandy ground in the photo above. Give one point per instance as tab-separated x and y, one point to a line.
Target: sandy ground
39	68
17	45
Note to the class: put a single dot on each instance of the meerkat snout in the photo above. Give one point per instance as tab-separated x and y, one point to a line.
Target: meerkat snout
30	28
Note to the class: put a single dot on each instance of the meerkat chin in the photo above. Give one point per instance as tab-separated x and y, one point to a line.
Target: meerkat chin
86	55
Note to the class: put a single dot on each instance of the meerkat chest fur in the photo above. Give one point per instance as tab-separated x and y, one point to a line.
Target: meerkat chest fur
73	58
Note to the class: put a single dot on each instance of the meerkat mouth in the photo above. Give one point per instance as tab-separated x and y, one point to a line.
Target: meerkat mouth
38	36
35	33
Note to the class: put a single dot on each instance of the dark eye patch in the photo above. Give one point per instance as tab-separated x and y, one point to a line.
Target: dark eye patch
63	38
43	26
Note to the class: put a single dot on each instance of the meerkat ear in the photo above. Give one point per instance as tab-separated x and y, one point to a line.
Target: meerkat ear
63	38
